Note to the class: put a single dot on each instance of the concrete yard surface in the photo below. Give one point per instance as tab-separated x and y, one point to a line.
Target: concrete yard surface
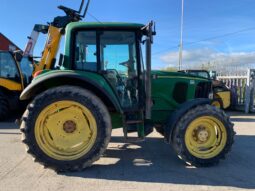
149	165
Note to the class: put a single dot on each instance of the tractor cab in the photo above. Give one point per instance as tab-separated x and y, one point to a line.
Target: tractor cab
115	54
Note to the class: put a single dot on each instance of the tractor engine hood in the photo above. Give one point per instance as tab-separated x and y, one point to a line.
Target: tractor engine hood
167	74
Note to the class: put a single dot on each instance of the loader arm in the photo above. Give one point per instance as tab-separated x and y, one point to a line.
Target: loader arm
55	29
50	50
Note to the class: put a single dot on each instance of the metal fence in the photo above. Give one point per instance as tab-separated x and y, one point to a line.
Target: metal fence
242	90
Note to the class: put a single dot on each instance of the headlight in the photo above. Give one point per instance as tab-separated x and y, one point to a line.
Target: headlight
210	96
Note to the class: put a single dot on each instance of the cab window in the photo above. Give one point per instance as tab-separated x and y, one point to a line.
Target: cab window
85	51
118	59
8	67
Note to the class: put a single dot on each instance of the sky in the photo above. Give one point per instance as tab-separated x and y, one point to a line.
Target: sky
218	31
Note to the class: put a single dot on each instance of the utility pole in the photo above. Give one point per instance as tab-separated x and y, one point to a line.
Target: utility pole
181	40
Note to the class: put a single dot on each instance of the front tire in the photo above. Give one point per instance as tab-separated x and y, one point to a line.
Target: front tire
203	136
4	108
66	128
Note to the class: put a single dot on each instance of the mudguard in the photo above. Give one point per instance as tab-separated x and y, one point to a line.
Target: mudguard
176	115
91	81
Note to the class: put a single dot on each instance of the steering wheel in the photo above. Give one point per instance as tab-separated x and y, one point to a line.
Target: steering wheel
127	63
120	80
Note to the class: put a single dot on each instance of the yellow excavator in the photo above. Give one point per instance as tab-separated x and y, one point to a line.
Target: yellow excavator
18	69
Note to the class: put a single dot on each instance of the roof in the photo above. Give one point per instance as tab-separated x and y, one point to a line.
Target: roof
1	34
116	25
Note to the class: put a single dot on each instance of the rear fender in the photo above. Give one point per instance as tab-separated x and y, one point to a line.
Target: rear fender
51	79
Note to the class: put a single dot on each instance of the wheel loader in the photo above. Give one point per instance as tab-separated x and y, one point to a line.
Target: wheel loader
103	84
11	83
18	68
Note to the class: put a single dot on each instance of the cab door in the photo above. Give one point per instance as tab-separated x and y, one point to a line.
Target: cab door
10	76
119	63
113	54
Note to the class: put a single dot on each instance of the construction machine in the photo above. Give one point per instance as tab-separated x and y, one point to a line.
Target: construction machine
11	83
16	74
103	84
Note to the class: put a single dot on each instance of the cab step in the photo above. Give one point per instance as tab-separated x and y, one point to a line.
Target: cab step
134	139
132	122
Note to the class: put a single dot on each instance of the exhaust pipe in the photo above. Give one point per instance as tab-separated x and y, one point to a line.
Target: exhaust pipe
149	41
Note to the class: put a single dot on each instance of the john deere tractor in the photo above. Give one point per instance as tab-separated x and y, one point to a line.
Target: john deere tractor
103	84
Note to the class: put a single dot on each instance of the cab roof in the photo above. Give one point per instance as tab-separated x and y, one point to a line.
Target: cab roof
112	25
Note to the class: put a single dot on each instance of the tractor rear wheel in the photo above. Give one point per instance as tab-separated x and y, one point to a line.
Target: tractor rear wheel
66	128
4	109
203	136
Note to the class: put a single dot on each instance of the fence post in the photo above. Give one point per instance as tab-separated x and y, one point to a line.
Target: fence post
248	92
252	97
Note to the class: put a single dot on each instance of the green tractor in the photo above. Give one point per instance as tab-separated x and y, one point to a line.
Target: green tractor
103	84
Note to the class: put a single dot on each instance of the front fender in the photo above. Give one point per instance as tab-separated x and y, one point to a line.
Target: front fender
91	81
176	115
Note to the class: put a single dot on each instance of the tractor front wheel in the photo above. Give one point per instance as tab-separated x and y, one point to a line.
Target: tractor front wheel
66	128
203	136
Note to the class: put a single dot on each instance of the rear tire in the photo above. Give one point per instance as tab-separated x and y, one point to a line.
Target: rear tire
4	109
194	140
61	160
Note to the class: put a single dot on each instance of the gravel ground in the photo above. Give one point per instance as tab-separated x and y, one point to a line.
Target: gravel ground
149	165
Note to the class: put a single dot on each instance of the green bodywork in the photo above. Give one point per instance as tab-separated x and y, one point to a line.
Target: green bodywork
93	77
163	84
163	90
167	87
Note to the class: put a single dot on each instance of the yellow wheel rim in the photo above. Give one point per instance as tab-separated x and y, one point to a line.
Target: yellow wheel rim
65	130
216	104
205	137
